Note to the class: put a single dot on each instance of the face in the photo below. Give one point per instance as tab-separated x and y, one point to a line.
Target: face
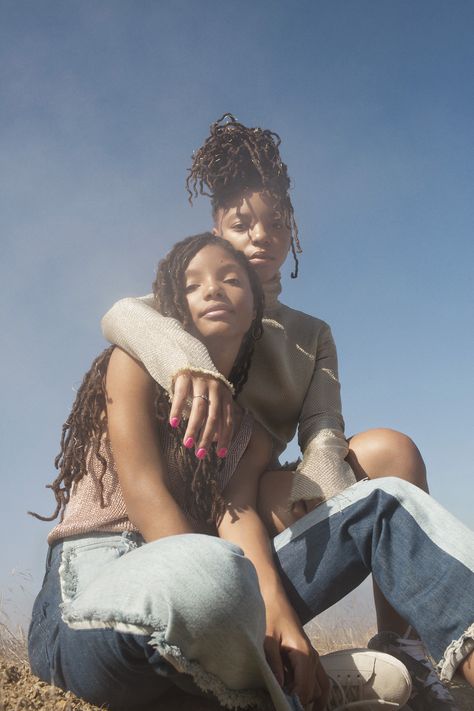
257	229
219	296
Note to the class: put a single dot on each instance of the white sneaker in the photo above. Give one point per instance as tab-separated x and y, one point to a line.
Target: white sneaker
364	679
428	691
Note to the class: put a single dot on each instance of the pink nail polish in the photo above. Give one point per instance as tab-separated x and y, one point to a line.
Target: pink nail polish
201	453
174	422
222	452
188	443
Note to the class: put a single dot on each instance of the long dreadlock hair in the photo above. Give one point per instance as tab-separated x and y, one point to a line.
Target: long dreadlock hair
85	428
235	159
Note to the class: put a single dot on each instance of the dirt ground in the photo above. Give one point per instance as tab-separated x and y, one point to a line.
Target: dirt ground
20	690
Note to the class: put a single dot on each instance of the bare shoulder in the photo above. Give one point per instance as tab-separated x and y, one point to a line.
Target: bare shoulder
124	372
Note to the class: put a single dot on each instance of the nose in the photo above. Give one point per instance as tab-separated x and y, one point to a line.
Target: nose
213	289
259	234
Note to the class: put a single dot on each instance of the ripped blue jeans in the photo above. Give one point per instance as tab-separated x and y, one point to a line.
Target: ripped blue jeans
119	621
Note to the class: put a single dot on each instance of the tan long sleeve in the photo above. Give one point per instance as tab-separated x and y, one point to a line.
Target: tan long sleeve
323	471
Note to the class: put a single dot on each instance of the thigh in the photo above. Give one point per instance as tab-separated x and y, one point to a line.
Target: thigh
119	627
100	664
318	557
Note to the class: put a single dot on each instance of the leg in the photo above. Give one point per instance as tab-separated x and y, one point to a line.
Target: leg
374	453
421	557
384	452
135	621
379	453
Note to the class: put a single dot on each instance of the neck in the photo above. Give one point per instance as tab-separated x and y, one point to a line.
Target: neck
272	289
223	354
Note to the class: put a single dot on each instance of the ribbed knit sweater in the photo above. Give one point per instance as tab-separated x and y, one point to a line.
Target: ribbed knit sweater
293	380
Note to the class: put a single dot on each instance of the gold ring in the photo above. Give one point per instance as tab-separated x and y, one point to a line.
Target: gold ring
203	397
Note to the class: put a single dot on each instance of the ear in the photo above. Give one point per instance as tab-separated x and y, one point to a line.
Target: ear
215	232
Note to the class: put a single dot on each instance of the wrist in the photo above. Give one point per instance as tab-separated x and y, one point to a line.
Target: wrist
273	592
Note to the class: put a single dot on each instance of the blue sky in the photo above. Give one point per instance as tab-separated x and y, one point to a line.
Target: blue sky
103	102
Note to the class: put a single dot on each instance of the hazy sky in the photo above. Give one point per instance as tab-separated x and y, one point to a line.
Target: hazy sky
102	103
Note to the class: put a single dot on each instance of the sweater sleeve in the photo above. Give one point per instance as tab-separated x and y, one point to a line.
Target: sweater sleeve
159	342
323	471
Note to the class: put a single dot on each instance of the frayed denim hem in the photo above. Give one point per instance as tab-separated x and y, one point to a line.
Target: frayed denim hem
455	654
206	681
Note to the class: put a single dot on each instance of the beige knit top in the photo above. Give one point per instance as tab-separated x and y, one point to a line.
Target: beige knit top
293	380
86	513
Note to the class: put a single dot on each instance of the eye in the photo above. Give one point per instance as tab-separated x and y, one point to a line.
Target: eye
234	281
190	288
239	227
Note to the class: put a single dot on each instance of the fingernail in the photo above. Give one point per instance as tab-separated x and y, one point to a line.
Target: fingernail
174	422
201	453
188	443
222	452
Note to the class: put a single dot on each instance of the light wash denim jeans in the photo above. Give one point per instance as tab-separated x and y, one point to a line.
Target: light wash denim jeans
118	621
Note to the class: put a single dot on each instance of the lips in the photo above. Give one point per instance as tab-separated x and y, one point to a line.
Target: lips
216	310
260	257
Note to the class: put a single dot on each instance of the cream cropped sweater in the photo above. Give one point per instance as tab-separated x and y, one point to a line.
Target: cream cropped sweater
293	380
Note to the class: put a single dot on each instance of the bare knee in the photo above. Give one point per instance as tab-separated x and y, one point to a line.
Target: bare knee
385	452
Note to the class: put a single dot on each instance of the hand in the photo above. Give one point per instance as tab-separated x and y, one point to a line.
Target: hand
293	659
211	416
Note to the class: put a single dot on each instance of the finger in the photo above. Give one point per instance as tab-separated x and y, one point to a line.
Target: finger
182	387
306	683
324	684
198	414
212	419
226	422
321	688
273	655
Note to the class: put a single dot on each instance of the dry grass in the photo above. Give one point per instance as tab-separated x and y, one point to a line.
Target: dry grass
12	644
343	627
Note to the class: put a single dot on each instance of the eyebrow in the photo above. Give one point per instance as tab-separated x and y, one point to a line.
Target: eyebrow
226	267
247	213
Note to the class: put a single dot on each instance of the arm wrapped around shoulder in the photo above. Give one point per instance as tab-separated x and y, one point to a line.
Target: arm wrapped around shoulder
159	342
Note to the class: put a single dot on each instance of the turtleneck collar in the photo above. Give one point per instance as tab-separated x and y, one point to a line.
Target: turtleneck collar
272	290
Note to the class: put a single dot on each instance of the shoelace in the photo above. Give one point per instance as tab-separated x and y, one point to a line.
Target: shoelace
416	649
340	696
